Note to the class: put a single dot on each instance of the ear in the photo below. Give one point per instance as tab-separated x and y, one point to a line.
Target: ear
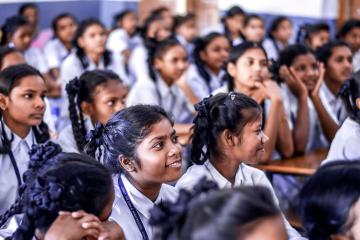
227	138
127	164
357	102
231	68
80	42
202	55
4	102
158	63
87	108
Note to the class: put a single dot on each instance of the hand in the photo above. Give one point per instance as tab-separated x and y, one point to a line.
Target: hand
293	82
66	226
112	231
272	90
315	91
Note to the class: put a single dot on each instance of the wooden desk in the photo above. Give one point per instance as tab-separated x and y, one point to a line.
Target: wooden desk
301	165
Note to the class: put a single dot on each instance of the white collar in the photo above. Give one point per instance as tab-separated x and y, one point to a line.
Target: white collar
221	180
219	77
29	139
163	88
329	95
138	199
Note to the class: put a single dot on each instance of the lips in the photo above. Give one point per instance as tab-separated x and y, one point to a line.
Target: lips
175	164
37	115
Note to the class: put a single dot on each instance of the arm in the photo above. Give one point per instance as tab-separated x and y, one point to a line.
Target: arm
284	142
184	132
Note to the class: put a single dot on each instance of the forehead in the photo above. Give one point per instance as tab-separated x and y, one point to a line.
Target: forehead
32	82
160	128
254	53
109	87
304	58
341	50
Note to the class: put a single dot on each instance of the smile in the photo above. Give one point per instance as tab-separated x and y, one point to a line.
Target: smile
175	164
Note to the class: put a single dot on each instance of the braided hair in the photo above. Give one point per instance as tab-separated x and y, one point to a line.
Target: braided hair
350	92
215	114
82	90
10	78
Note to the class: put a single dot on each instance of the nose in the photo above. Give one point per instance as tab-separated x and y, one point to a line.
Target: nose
182	65
175	150
39	103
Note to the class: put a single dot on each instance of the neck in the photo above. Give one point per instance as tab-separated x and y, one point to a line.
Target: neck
238	87
19	129
235	35
333	86
68	45
215	71
94	57
150	190
169	82
227	167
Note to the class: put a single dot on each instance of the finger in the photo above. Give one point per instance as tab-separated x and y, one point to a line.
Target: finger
64	213
89	218
94	233
78	214
88	225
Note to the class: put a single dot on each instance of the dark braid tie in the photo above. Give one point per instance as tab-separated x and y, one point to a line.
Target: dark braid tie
72	88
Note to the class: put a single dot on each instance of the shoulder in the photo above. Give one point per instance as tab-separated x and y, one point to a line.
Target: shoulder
192	176
66	140
255	175
168	192
223	89
143	91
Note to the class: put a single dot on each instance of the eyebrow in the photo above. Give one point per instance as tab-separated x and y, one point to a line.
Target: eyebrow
173	133
34	91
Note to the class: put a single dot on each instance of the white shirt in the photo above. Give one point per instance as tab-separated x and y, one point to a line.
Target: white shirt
122	214
272	51
199	86
138	67
66	137
8	179
245	176
332	104
356	61
316	138
346	143
119	40
171	98
189	47
35	58
55	53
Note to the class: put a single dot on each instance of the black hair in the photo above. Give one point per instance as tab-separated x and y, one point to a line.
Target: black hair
324	52
214	115
55	21
119	17
209	213
200	45
82	90
182	19
350	91
327	197
148	21
274	25
80	53
158	11
249	17
236	53
288	55
4	51
24	6
157	49
347	27
306	31
9	78
10	27
59	181
123	132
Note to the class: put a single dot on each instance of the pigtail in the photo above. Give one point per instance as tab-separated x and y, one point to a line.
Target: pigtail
41	132
15	208
5	140
199	46
151	48
107	58
95	141
78	125
201	130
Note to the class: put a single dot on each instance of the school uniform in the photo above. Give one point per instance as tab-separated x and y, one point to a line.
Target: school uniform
36	59
138	67
122	214
189	47
346	143
332	104
272	48
171	98
245	176
8	179
199	86
356	61
119	40
66	137
55	53
316	138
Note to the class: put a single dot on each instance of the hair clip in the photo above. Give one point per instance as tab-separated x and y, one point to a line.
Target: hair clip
232	96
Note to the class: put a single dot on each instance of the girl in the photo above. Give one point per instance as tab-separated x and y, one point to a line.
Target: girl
10	56
350	33
254	29
91	54
204	214
67	182
347	139
233	24
207	74
17	33
227	136
167	63
330	202
248	73
154	27
185	31
279	35
22	92
57	49
314	35
140	145
311	124
337	59
94	97
124	38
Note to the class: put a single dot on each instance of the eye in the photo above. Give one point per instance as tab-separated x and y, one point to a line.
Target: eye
111	103
28	95
159	145
175	139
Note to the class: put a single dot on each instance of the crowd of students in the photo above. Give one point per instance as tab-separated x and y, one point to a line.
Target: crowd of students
151	132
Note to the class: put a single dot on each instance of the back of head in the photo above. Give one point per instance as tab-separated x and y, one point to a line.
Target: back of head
288	55
327	197
215	114
4	51
350	93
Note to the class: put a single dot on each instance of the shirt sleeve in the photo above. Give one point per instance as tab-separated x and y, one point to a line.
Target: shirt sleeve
117	41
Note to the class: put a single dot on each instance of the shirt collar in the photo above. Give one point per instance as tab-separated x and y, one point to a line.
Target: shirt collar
221	180
139	200
329	95
163	88
218	77
29	139
92	65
